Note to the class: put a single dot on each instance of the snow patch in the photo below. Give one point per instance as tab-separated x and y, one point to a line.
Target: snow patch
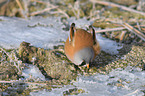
33	72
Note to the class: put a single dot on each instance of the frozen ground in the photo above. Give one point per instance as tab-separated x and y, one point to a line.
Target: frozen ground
47	32
130	80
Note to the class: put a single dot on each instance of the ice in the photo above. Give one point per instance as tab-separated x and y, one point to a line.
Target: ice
109	46
53	92
33	72
40	32
105	85
80	23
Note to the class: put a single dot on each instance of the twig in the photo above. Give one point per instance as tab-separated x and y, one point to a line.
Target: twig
114	29
41	2
77	7
21	8
122	35
7	54
138	26
42	11
135	31
48	9
19	4
36	83
61	11
131	93
116	5
108	30
126	26
74	11
22	82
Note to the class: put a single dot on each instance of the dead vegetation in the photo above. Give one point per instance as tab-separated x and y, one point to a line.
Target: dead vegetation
105	14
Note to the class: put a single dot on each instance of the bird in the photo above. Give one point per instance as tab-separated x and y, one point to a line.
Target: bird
81	46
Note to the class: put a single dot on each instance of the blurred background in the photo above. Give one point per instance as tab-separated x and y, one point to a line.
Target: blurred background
100	12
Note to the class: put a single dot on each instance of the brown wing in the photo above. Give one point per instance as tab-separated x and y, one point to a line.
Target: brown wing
96	46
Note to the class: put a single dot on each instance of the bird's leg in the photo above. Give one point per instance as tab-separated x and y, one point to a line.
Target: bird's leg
87	66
